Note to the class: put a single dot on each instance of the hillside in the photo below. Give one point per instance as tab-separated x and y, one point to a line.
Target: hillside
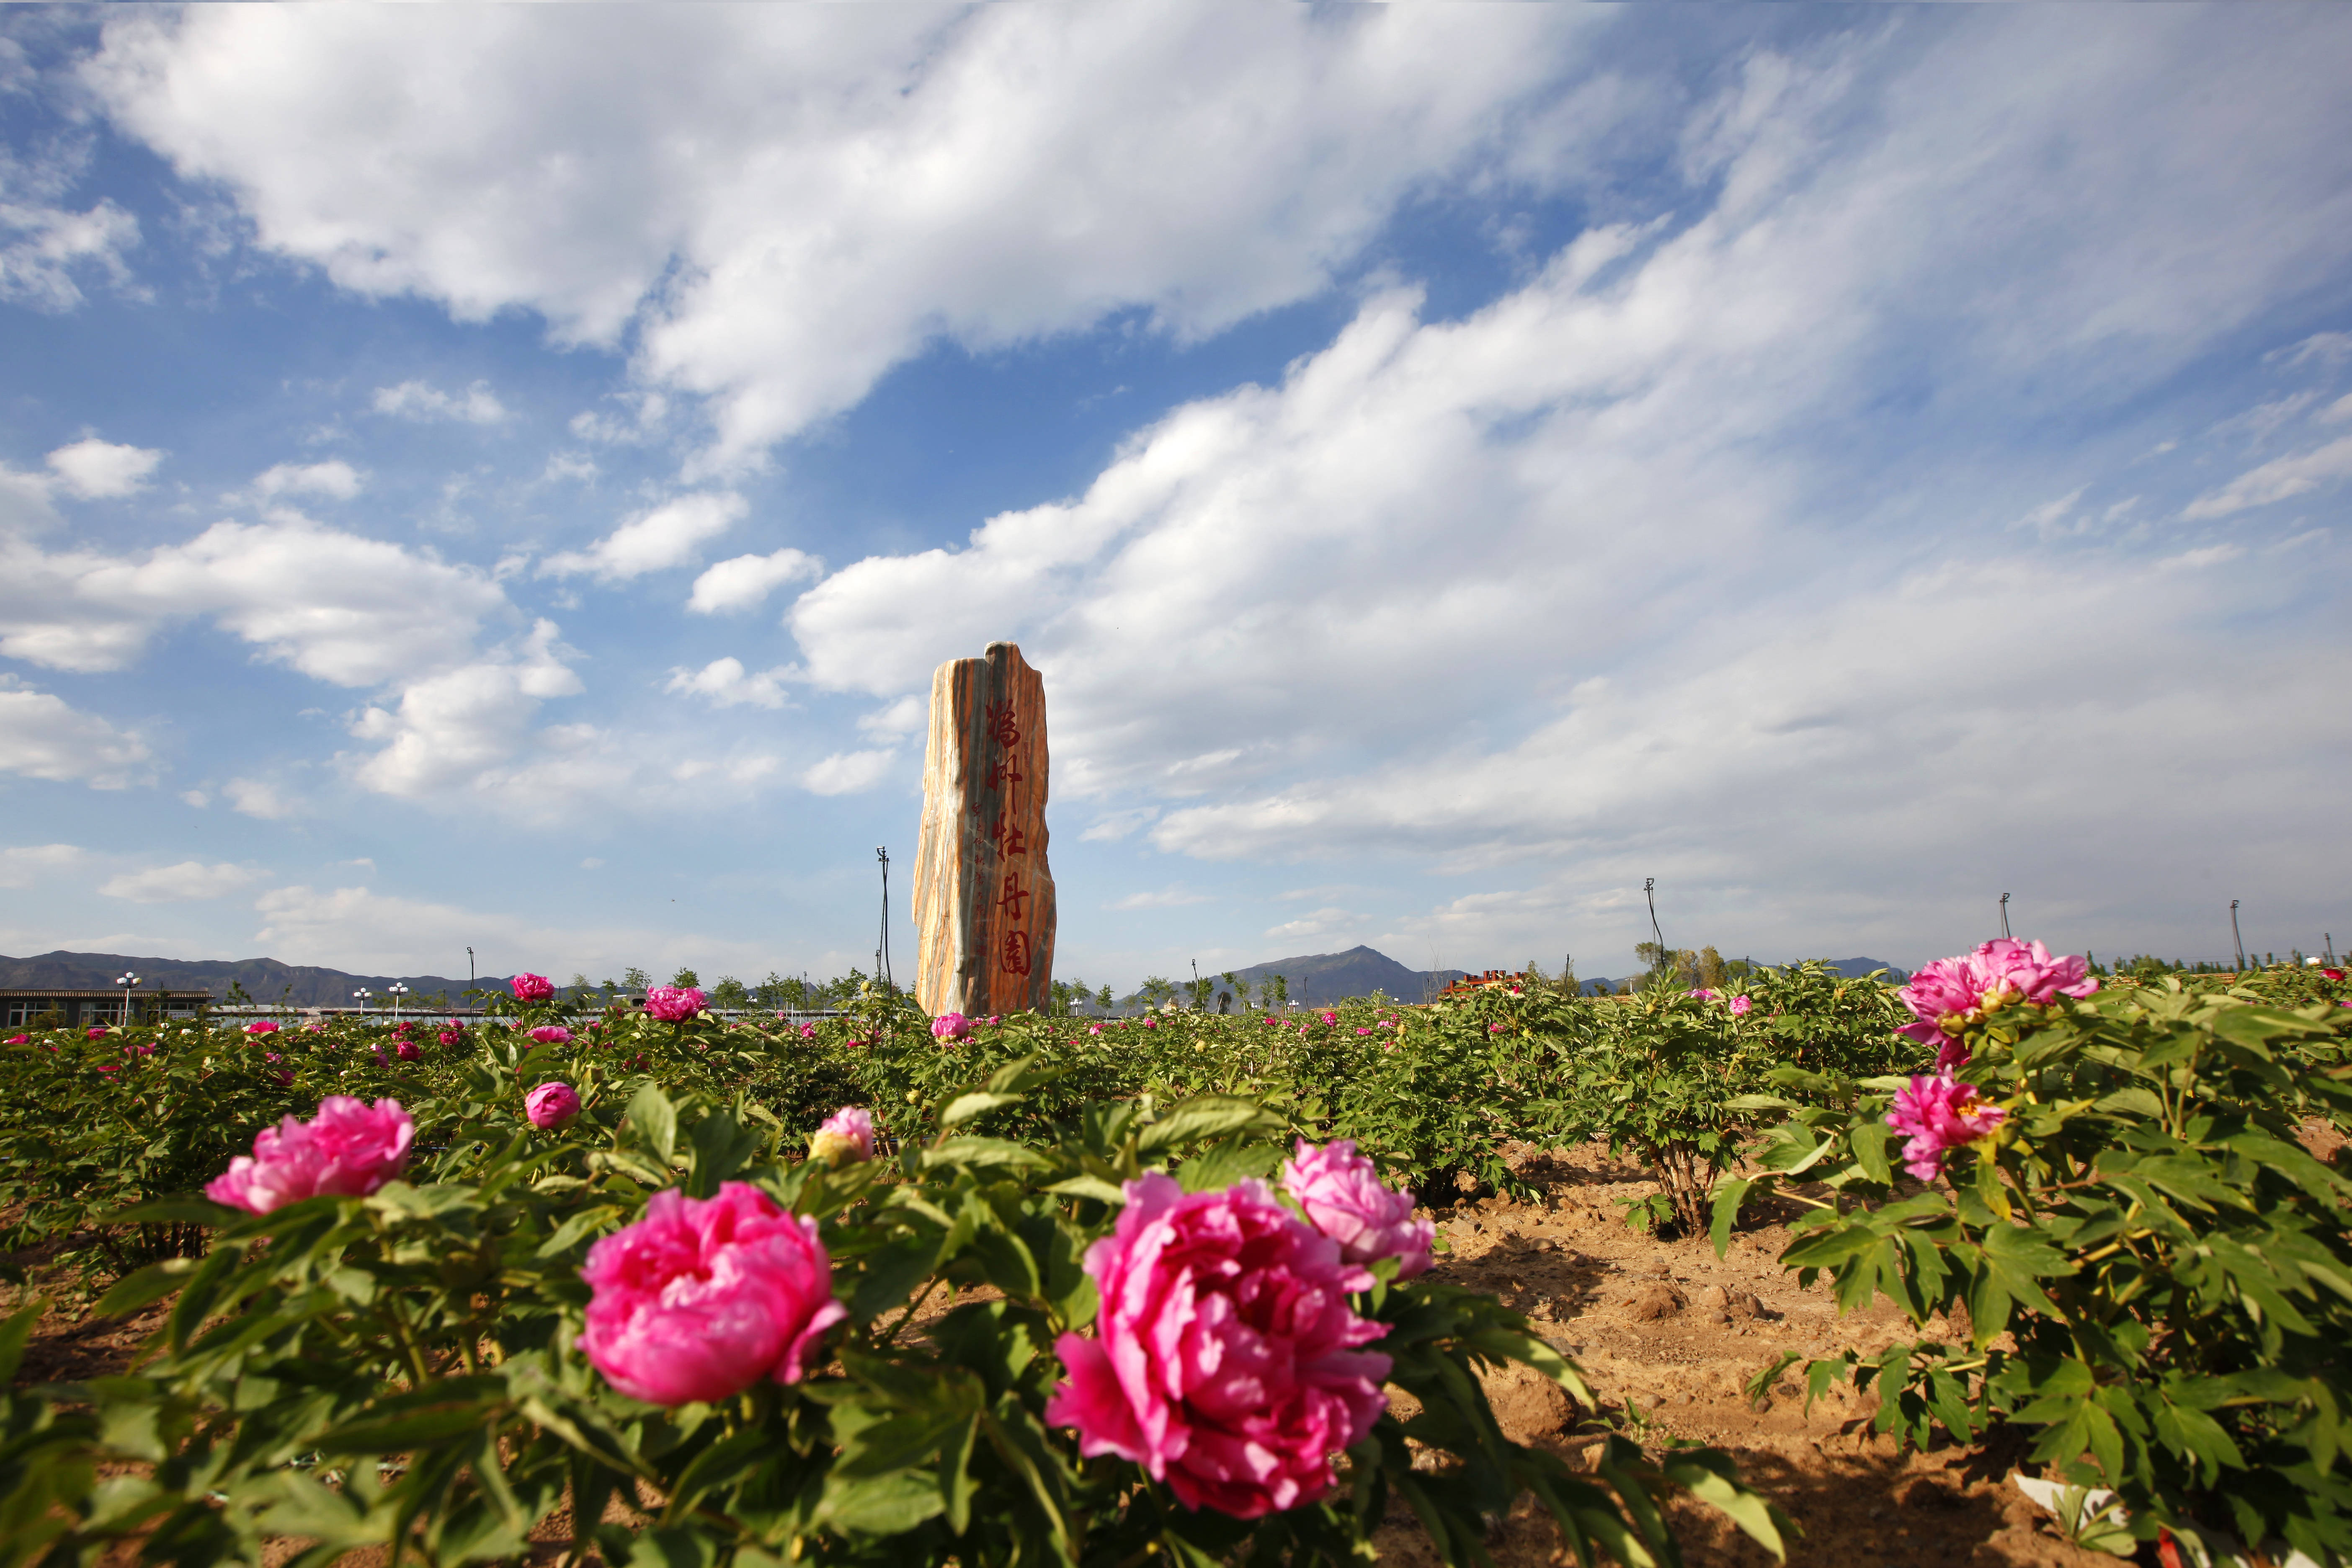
1318	979
264	979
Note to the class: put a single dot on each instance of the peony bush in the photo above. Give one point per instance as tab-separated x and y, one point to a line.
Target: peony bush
2108	1233
663	1337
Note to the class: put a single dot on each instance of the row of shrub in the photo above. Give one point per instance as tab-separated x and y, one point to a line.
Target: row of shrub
2092	1202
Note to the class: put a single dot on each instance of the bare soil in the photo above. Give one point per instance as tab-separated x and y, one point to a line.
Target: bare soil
1667	1329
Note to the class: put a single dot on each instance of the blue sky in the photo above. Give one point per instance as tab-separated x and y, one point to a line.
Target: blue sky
503	477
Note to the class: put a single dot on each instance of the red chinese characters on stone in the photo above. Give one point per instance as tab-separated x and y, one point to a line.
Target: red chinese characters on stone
1016	952
1001	727
1000	772
1016	896
1008	840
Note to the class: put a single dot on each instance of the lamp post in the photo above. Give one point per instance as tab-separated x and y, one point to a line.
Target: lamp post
398	991
126	980
882	948
361	997
1650	891
2004	914
2236	938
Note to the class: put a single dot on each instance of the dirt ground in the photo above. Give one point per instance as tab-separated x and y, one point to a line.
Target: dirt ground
1679	1334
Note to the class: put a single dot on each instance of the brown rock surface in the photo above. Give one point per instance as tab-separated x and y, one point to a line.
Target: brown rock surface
984	909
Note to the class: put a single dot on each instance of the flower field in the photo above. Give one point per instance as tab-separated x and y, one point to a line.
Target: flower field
642	1286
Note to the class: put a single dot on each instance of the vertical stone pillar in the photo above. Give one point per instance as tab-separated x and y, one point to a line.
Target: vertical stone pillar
983	894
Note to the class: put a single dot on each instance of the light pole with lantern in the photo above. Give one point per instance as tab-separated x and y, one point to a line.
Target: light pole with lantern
126	980
398	991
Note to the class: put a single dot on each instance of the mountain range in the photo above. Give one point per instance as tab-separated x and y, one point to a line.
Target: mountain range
1313	980
264	979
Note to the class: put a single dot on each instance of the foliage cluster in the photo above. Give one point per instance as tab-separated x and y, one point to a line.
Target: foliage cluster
398	1369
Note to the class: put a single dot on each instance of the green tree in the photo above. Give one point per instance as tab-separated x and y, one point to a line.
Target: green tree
685	976
636	979
1711	971
730	993
1102	999
1156	988
1240	989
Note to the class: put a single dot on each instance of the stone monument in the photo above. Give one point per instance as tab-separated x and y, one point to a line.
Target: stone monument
983	895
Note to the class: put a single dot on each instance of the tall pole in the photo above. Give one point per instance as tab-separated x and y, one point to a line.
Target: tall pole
2235	937
1650	891
2004	914
127	982
882	949
470	968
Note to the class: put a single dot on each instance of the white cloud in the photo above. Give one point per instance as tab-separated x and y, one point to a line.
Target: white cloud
418	400
2276	480
898	720
670	534
188	880
334	478
747	580
787	202
261	798
2047	518
44	246
467	727
847	772
367	931
1171	896
93	469
44	738
1321	922
25	864
575	465
1115	825
334	605
2337	412
197	798
724	684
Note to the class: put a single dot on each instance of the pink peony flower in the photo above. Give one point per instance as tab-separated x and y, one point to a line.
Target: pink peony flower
454	1034
1224	1361
533	987
1951	994
1342	1194
673	1004
845	1136
703	1298
1939	1115
109	1067
808	1031
951	1026
97	1034
552	1035
261	1026
1331	1017
347	1149
1363	1031
20	1039
1094	1029
1739	1005
406	1050
1151	1023
552	1104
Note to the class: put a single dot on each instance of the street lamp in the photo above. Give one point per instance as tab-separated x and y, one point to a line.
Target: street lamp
361	997
2235	937
2004	914
126	980
398	991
